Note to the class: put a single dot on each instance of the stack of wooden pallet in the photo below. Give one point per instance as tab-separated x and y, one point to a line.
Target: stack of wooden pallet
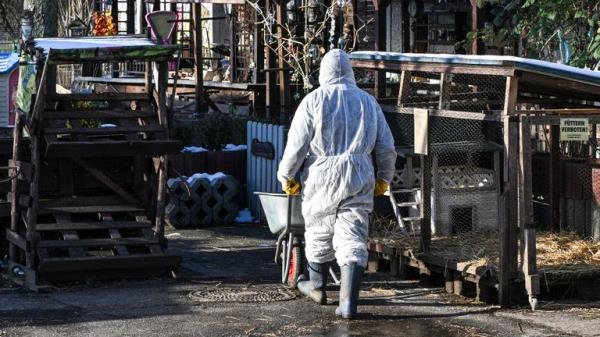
88	199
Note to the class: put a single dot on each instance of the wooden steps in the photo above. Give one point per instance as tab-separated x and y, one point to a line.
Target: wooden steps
112	148
92	263
95	242
83	226
73	132
90	209
90	178
104	244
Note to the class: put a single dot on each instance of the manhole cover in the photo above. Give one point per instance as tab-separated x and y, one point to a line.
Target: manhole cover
243	295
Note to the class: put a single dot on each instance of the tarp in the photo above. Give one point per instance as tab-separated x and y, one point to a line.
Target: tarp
107	48
8	62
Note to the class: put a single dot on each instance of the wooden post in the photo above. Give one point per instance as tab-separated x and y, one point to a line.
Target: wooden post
269	75
259	99
198	57
526	224
532	279
148	79
233	47
284	83
404	91
435	203
525	178
555	177
380	45
51	80
31	217
458	283
449	281
15	214
426	202
508	230
476	44
140	12
444	101
131	16
163	160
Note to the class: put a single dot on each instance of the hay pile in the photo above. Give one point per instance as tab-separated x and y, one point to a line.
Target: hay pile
555	251
566	251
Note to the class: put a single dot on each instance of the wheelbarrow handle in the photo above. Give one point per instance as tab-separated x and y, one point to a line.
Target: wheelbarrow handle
288	224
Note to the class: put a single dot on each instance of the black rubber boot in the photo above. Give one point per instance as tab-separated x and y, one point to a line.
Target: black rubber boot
314	287
349	288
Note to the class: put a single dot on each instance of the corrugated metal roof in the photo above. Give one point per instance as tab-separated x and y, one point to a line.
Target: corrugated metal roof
520	63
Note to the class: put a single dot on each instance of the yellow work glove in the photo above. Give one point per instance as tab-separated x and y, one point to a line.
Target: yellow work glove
381	187
292	187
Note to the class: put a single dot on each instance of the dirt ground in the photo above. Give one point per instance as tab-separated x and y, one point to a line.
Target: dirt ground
224	263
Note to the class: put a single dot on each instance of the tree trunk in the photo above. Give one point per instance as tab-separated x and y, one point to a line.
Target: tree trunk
45	17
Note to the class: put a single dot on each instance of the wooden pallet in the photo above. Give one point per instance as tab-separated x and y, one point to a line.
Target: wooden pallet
71	130
457	278
112	228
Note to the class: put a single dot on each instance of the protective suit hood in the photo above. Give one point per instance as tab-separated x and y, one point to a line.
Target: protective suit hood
336	69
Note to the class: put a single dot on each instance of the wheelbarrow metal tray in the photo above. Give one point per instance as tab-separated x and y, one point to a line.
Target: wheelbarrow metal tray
275	206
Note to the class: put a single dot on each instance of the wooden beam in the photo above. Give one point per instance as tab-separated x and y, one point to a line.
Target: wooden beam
444	91
94	242
394	66
579	111
475	23
509	229
510	95
90	226
526	223
259	99
161	93
162	164
108	96
426	185
555	177
198	55
380	45
405	86
104	179
15	212
555	119
491	116
284	80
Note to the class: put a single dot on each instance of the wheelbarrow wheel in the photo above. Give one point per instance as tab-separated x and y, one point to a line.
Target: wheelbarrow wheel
295	265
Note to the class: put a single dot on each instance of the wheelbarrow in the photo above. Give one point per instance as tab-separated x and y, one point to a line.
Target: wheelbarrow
284	217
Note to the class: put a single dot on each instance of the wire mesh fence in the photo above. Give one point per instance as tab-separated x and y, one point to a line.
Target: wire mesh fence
566	197
464	163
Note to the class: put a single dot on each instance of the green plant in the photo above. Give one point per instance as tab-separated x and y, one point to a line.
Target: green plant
546	27
213	131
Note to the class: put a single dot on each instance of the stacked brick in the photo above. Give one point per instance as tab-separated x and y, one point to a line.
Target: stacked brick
202	201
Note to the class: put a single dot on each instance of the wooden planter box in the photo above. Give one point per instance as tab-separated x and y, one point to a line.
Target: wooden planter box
228	162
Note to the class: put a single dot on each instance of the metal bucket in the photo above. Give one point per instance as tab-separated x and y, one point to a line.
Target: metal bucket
279	209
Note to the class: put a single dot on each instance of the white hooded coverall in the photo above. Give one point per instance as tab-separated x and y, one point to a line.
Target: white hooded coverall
334	132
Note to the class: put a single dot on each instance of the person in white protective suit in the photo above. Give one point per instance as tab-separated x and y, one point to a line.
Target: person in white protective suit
333	135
